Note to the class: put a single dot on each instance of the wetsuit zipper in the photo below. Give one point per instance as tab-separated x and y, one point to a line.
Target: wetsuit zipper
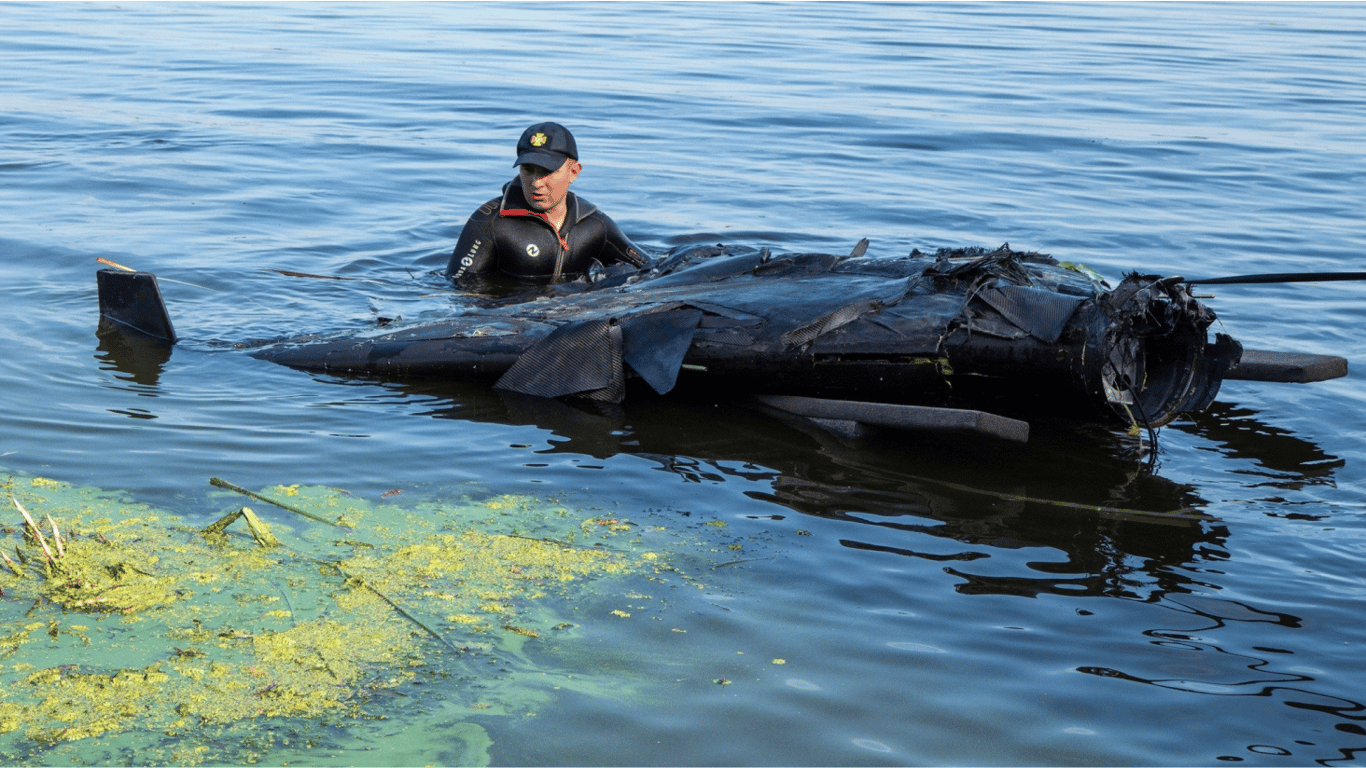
564	242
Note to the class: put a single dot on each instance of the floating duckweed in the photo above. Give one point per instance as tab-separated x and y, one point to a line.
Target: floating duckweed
146	624
95	576
521	630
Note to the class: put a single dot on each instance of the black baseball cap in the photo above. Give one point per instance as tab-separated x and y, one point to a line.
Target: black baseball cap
546	145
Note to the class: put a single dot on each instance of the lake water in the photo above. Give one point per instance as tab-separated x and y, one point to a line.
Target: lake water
930	602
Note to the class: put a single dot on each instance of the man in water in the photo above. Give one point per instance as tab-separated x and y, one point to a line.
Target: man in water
538	230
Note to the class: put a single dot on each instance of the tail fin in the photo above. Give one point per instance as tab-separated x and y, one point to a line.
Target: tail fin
132	301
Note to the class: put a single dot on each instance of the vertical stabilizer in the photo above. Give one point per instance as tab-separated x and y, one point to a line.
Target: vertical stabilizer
131	301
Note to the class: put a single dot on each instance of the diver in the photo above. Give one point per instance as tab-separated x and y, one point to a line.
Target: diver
537	230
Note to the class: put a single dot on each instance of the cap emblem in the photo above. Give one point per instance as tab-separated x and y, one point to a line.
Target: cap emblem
538	140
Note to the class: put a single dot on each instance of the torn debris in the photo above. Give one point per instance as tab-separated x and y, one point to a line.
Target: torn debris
898	329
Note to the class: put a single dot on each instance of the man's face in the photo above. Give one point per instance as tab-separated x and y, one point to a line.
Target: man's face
545	190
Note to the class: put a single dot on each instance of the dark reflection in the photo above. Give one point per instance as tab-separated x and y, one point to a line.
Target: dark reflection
593	428
133	356
1083	498
1079	490
1288	461
1121	530
1082	494
1217	671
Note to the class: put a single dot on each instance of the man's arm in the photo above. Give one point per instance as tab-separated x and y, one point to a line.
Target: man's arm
616	247
474	251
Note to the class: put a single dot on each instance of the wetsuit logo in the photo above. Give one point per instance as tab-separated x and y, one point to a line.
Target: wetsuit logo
532	250
538	140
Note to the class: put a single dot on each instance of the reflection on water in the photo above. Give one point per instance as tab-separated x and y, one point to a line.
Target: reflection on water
1123	530
1286	460
1071	516
133	357
1211	668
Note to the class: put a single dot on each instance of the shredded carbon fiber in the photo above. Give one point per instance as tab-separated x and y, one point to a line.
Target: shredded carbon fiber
902	329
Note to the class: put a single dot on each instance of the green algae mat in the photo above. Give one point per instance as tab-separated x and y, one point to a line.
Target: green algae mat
131	636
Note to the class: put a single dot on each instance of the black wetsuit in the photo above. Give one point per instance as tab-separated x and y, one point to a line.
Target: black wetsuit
505	236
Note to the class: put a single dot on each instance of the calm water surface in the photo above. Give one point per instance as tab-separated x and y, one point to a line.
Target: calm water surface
927	612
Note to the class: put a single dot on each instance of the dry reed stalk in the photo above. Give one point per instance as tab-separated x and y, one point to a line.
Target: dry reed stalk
37	532
103	260
14	567
56	537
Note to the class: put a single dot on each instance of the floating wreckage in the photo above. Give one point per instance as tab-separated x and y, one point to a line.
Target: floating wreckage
938	342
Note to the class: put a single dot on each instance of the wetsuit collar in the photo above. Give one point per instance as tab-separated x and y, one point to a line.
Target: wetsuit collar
515	204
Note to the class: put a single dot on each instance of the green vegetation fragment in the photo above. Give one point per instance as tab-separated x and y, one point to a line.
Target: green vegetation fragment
1084	270
147	625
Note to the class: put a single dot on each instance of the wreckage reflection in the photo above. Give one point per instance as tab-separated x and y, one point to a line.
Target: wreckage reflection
1122	531
132	357
1282	459
1083	491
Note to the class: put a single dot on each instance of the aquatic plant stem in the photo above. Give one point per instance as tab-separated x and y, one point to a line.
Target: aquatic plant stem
398	608
13	567
1181	516
37	532
221	483
56	537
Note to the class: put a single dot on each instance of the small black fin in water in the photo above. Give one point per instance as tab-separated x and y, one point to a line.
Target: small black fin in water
132	301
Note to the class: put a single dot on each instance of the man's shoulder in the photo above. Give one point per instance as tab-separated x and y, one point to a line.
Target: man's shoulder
584	209
488	210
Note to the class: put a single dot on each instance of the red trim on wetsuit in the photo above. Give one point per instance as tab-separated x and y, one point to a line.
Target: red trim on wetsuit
542	216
